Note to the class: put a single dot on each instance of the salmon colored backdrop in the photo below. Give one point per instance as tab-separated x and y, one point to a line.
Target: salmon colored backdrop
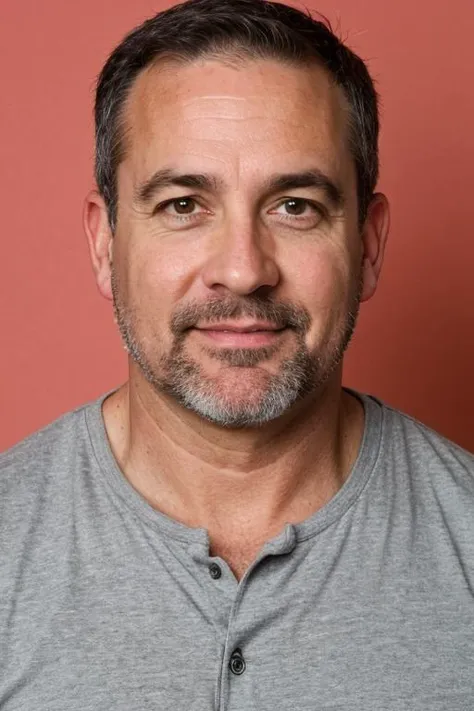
415	341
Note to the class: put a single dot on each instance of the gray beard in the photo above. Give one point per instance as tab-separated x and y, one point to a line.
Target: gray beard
182	377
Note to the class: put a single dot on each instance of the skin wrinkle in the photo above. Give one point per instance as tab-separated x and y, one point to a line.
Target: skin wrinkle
281	107
228	140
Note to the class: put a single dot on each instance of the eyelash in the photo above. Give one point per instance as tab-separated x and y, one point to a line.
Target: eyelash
161	207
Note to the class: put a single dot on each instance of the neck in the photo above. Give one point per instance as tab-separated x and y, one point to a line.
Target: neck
233	479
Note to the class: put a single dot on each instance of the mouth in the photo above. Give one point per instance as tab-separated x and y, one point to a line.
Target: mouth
241	335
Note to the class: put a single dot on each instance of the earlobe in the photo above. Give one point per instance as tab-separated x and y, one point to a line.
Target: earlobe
369	279
374	239
100	239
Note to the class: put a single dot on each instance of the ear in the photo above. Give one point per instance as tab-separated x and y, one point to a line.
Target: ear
100	239
374	238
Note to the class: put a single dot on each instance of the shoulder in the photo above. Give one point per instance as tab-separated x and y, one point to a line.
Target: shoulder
412	446
45	445
42	466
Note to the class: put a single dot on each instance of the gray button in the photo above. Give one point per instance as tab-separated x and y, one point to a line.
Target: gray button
237	662
215	571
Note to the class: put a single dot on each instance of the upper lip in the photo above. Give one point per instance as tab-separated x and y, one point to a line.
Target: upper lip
240	327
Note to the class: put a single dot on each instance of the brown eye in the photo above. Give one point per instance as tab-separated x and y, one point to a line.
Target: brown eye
183	206
181	211
295	206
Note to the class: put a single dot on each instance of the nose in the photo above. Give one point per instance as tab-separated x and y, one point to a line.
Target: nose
242	259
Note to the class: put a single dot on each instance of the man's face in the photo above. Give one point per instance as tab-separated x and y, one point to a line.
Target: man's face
237	255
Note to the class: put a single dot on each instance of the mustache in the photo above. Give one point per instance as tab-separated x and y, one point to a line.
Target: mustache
280	314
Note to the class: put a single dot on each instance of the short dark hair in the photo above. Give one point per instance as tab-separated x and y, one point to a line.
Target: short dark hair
240	29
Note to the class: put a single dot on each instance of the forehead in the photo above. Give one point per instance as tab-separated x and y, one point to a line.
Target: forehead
238	118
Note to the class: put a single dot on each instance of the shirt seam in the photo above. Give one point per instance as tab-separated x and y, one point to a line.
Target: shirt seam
143	516
358	492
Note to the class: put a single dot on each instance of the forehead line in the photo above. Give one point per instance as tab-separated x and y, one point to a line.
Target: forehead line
160	86
198	180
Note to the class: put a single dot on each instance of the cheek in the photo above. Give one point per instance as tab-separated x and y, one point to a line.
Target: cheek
321	278
155	277
324	283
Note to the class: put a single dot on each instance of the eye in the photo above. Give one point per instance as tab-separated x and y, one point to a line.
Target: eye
180	206
184	210
297	207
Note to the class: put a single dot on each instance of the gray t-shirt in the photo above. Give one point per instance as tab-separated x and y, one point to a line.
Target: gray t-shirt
107	604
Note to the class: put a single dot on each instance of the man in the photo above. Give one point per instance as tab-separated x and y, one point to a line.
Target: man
231	529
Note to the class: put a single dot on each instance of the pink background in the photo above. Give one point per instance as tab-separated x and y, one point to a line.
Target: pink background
415	342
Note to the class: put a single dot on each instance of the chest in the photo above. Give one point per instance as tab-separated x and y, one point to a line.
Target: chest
151	628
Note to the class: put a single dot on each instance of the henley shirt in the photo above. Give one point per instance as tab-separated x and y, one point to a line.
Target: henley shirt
106	604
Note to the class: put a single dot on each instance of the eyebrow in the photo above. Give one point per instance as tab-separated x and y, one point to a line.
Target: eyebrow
166	177
277	183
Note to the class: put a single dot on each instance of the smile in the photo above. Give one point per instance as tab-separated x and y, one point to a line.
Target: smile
232	336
